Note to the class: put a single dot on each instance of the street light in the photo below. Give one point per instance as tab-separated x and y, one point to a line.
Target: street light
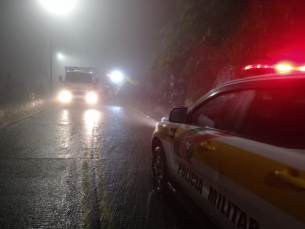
57	7
60	56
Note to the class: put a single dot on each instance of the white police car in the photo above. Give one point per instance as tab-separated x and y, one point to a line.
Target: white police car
239	152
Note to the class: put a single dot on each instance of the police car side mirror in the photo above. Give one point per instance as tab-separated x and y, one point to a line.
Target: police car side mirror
178	115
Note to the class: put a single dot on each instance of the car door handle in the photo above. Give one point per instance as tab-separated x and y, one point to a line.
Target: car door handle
206	145
286	176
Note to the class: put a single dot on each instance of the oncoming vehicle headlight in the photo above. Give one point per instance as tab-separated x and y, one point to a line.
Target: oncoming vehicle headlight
65	96
91	97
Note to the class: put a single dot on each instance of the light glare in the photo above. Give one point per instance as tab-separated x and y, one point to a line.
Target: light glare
283	67
248	67
91	118
91	97
65	96
58	7
60	56
116	76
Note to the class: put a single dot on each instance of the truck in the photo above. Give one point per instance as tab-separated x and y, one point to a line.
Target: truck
80	84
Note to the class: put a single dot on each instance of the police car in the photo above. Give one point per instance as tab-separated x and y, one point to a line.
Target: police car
239	152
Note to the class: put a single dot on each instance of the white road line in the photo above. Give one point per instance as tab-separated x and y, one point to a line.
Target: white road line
144	114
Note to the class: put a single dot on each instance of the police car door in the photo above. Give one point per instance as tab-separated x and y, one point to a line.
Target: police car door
198	144
262	171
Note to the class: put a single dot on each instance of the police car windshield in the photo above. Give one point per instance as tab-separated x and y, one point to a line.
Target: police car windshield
78	77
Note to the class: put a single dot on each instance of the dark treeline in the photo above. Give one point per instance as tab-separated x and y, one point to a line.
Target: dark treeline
206	43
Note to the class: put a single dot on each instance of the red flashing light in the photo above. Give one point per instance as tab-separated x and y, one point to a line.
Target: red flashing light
283	68
247	67
302	68
257	66
280	68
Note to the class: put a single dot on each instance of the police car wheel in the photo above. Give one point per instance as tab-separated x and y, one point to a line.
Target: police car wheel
159	171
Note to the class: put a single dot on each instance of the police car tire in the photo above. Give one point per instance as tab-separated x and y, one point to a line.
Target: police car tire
159	172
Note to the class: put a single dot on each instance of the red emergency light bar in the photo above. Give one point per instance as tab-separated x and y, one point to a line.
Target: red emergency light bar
257	66
280	68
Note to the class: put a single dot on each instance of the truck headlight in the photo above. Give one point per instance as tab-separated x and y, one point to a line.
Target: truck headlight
91	97
65	96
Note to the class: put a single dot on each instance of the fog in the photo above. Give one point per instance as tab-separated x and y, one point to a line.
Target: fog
105	34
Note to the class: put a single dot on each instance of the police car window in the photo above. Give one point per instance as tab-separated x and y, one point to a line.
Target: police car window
277	117
218	112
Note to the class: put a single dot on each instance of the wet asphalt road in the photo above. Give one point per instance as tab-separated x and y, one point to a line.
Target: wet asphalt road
80	167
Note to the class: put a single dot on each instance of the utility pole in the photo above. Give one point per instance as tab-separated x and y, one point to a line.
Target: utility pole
51	60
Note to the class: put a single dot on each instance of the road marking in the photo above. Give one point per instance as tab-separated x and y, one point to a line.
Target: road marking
144	115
